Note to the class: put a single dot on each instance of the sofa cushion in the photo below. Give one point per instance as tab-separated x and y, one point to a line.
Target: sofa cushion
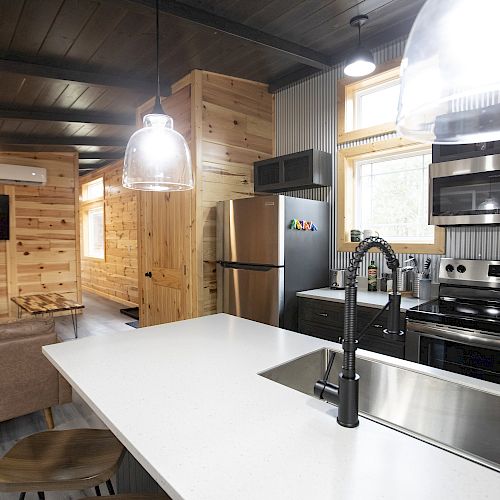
28	327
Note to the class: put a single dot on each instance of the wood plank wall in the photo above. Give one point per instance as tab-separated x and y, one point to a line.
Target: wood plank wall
237	131
43	253
115	277
167	224
228	123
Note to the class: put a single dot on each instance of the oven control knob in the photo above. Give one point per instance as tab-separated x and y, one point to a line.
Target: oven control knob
461	269
449	268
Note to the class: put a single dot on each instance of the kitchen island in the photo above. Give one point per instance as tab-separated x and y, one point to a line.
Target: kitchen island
187	401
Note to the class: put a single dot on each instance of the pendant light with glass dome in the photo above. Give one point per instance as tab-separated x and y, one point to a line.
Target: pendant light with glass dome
157	157
491	203
450	75
361	62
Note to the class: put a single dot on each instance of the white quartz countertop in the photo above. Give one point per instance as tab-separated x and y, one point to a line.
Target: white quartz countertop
187	401
368	299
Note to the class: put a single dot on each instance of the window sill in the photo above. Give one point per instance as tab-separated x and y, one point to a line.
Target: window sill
98	259
366	133
438	247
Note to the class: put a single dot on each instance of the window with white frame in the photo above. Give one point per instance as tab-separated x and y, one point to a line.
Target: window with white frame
383	182
93	219
93	190
376	105
391	194
95	233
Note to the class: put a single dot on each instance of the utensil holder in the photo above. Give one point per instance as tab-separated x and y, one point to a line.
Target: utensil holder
416	284
425	289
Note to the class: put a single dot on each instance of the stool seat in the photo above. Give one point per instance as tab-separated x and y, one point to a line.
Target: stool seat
71	459
135	496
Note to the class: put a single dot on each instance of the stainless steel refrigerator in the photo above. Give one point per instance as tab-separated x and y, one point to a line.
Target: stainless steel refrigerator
268	249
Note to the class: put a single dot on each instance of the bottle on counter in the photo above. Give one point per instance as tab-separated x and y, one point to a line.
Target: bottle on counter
372	276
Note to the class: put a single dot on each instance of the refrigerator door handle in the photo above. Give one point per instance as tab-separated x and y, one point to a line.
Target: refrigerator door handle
248	267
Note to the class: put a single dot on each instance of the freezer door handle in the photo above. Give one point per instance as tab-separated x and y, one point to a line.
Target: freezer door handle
247	267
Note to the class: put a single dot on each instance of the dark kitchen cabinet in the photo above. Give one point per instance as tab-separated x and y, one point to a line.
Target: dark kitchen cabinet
325	319
449	152
311	168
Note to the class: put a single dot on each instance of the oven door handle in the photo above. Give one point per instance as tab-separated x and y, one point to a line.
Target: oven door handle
472	337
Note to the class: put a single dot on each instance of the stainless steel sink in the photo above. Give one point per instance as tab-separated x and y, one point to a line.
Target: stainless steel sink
452	416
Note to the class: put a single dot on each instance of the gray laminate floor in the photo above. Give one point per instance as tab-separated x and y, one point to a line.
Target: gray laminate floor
100	317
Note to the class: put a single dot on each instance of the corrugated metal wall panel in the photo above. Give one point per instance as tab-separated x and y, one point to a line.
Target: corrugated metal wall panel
306	118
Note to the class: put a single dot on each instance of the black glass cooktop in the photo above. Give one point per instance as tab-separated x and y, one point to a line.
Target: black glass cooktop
477	315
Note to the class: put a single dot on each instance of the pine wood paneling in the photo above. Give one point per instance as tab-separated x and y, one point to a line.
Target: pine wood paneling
228	124
167	234
42	254
237	130
115	277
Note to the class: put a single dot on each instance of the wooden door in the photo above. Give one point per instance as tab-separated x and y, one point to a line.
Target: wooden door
166	239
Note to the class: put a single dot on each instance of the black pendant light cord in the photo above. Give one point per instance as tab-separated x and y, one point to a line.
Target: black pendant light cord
158	109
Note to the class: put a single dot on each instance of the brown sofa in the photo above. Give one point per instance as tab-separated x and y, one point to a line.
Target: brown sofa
28	382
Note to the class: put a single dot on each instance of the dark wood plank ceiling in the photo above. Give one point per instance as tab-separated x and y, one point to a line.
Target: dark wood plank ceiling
72	72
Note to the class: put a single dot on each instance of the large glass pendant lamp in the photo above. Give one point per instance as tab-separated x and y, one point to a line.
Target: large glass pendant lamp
491	203
157	157
450	74
360	62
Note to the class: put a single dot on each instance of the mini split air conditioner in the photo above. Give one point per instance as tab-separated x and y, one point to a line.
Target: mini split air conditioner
21	174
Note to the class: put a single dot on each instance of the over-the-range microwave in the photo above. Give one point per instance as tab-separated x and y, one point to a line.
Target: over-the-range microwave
465	191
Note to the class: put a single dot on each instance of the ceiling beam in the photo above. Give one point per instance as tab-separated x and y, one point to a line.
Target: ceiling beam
75	74
90	168
395	32
101	155
292	77
71	116
202	17
62	141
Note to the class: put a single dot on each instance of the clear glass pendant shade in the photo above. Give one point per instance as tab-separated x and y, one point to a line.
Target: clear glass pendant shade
489	204
450	74
157	157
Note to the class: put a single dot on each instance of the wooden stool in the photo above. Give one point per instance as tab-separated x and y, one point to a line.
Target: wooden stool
73	459
135	496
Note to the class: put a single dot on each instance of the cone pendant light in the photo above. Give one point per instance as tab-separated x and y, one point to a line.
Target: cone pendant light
360	62
157	157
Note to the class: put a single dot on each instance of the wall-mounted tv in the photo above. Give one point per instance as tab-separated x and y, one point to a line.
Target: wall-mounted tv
4	217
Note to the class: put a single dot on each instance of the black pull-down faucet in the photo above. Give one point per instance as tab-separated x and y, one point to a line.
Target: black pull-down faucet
346	393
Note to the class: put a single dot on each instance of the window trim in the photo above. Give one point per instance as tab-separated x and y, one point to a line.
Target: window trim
346	189
85	190
85	207
346	90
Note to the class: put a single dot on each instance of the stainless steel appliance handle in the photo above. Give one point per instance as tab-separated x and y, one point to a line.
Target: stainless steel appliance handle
247	267
473	337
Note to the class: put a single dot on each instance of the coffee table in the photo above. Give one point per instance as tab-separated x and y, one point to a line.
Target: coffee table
48	303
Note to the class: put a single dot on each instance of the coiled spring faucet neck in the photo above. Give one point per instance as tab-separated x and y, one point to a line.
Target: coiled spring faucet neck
361	251
346	393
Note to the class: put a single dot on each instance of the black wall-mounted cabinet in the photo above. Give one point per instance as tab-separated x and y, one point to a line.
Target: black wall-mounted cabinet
325	319
449	152
307	169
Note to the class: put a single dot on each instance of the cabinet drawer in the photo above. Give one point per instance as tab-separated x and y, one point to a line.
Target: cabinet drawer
376	342
320	331
324	319
321	312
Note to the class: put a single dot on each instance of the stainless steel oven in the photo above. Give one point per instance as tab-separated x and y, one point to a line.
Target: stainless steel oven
459	331
465	191
474	353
